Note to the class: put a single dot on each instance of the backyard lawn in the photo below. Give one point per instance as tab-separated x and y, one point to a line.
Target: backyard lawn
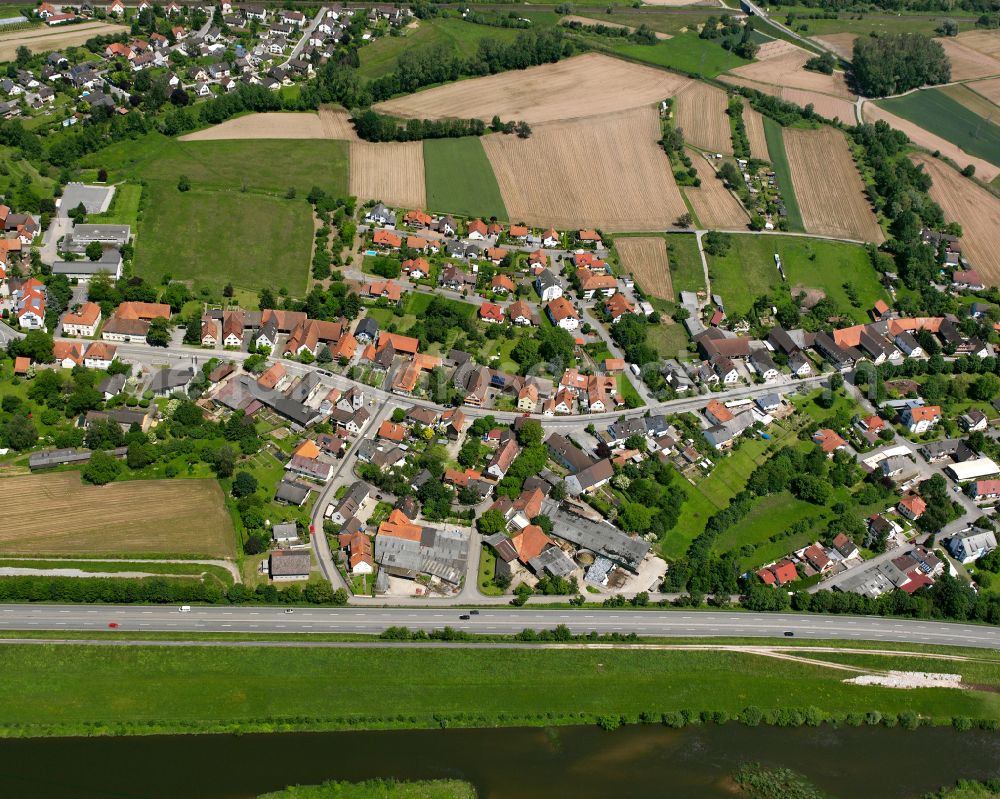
459	178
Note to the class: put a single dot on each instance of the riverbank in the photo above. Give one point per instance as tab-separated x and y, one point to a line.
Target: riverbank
90	690
525	763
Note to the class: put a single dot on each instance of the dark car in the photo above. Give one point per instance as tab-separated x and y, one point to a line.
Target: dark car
789	634
465	617
474	612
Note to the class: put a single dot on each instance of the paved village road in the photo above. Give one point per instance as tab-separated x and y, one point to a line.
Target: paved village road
677	623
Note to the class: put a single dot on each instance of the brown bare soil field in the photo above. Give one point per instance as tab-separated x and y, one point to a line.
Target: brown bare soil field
841	43
924	138
392	172
701	114
986	42
754	123
713	204
590	22
823	104
827	185
788	69
645	258
605	171
968	62
974	208
57	514
586	85
40	39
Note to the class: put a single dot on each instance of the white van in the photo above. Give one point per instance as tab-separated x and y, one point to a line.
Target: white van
184	609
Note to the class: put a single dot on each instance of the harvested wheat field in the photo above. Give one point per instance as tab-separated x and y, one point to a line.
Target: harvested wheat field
841	43
163	517
392	172
588	22
990	89
576	87
823	104
701	114
827	185
272	125
788	69
974	208
645	258
337	125
39	40
970	56
607	172
714	206
924	138
754	124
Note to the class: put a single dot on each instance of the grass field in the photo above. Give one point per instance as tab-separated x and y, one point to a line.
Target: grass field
214	238
685	52
748	271
628	392
136	689
381	56
124	208
770	515
236	209
942	115
460	179
783	173
378	789
154	517
686	272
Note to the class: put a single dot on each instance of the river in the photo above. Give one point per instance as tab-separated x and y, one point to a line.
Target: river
582	762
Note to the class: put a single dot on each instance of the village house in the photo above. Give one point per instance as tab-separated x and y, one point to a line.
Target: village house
563	314
84	321
919	419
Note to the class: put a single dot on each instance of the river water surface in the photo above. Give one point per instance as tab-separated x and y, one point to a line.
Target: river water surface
577	762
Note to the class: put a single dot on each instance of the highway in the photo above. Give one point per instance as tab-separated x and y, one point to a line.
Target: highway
665	623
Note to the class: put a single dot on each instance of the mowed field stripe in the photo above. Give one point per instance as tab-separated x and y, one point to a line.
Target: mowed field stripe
606	171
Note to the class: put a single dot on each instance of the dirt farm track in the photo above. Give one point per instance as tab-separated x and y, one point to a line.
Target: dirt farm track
606	171
974	208
150	517
45	38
